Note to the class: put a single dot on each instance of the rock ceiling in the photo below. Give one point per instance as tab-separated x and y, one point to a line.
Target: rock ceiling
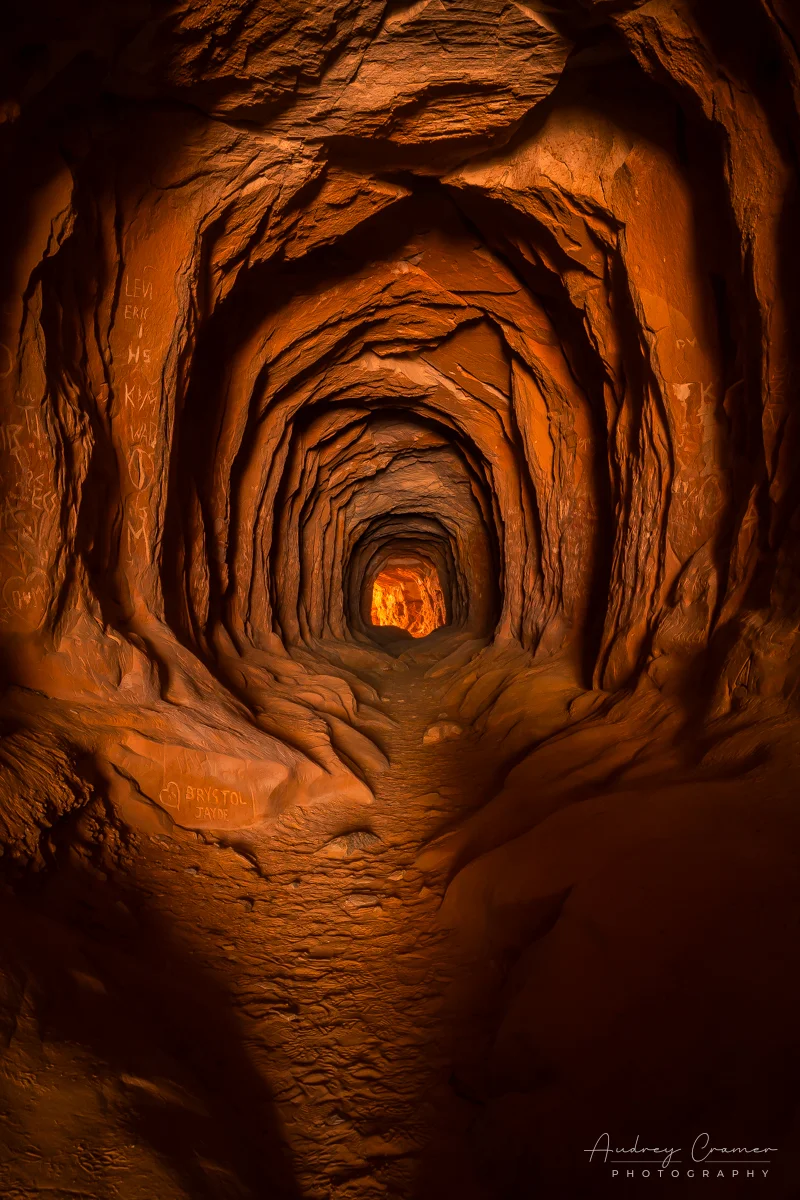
495	297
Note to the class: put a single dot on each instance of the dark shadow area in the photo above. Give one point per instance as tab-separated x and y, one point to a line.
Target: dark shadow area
652	1000
108	975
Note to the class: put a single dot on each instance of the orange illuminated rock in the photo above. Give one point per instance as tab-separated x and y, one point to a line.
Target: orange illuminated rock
410	598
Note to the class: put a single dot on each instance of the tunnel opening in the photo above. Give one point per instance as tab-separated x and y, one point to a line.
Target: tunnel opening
407	594
455	574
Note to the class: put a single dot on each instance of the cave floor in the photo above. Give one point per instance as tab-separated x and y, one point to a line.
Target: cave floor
297	979
289	1011
369	1014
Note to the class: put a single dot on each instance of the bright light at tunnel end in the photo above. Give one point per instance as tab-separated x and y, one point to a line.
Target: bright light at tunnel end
410	598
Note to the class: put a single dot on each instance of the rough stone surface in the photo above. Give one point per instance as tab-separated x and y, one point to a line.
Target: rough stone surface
294	297
407	593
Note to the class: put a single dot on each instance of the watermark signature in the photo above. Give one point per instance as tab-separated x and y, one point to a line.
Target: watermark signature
704	1160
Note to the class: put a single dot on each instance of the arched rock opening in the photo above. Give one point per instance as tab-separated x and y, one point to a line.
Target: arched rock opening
407	594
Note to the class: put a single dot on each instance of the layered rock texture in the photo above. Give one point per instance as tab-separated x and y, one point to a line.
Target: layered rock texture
408	593
400	595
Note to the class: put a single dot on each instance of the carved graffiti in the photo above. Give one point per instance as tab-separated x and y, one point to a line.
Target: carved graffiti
140	467
206	801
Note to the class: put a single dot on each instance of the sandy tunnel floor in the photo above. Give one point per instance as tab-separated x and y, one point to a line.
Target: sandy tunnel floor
298	982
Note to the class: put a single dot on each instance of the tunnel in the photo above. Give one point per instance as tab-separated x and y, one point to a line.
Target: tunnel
407	594
399	602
